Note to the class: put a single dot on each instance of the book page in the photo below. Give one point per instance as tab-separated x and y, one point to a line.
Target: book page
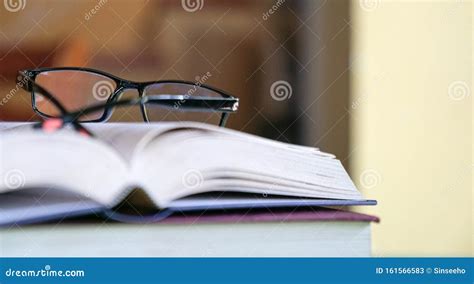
42	204
124	138
129	138
220	161
62	160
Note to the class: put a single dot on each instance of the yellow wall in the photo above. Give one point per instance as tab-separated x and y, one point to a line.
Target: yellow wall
411	123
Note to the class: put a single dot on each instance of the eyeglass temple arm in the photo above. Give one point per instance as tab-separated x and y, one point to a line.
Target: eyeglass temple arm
224	118
194	103
225	105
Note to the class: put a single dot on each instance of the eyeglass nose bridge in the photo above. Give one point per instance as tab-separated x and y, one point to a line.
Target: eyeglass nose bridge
123	86
128	85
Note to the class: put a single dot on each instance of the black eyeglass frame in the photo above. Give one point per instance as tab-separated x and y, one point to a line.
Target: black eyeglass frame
35	87
229	103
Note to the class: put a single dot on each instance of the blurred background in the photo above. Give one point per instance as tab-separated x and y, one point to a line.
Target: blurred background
384	85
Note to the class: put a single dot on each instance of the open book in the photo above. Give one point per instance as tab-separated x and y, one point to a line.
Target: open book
174	166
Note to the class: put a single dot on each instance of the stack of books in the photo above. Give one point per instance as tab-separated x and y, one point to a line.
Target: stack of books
173	189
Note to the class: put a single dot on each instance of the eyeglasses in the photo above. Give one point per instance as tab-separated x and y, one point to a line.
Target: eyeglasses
73	118
78	90
51	124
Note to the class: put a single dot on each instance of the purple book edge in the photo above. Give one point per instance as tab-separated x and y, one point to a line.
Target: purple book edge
218	214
